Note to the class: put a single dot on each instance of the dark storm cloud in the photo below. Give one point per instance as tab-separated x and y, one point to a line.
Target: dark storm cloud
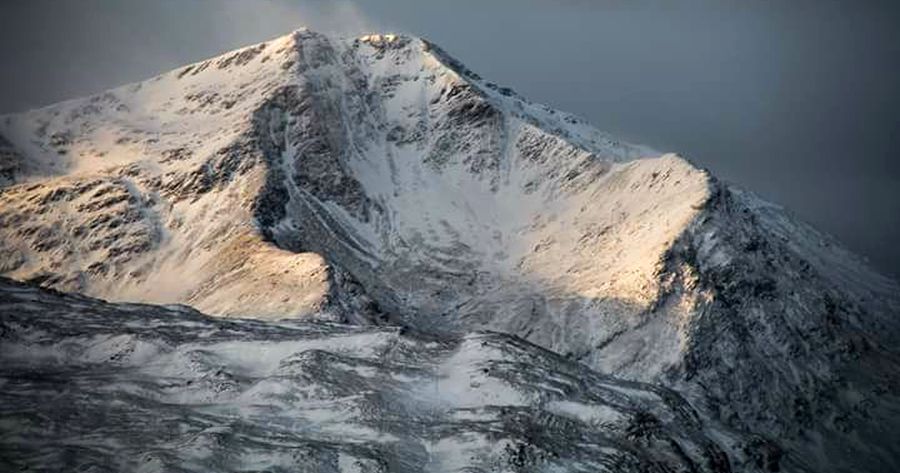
796	100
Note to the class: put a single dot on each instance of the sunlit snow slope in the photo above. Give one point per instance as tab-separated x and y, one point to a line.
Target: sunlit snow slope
377	180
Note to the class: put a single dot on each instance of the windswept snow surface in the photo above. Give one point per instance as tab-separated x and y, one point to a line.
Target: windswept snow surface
377	180
93	386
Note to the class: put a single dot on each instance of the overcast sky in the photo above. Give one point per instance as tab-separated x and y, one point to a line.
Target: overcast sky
797	100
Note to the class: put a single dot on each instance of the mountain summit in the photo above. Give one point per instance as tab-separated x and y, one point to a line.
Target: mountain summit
377	180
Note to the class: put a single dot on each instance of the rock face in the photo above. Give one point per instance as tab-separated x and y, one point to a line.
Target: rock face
377	180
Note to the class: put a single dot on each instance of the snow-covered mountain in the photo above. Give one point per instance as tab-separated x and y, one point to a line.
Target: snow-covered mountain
377	180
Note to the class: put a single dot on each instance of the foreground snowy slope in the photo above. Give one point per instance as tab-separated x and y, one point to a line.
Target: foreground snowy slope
377	179
92	386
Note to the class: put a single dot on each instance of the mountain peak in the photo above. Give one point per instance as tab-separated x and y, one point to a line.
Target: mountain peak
363	180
